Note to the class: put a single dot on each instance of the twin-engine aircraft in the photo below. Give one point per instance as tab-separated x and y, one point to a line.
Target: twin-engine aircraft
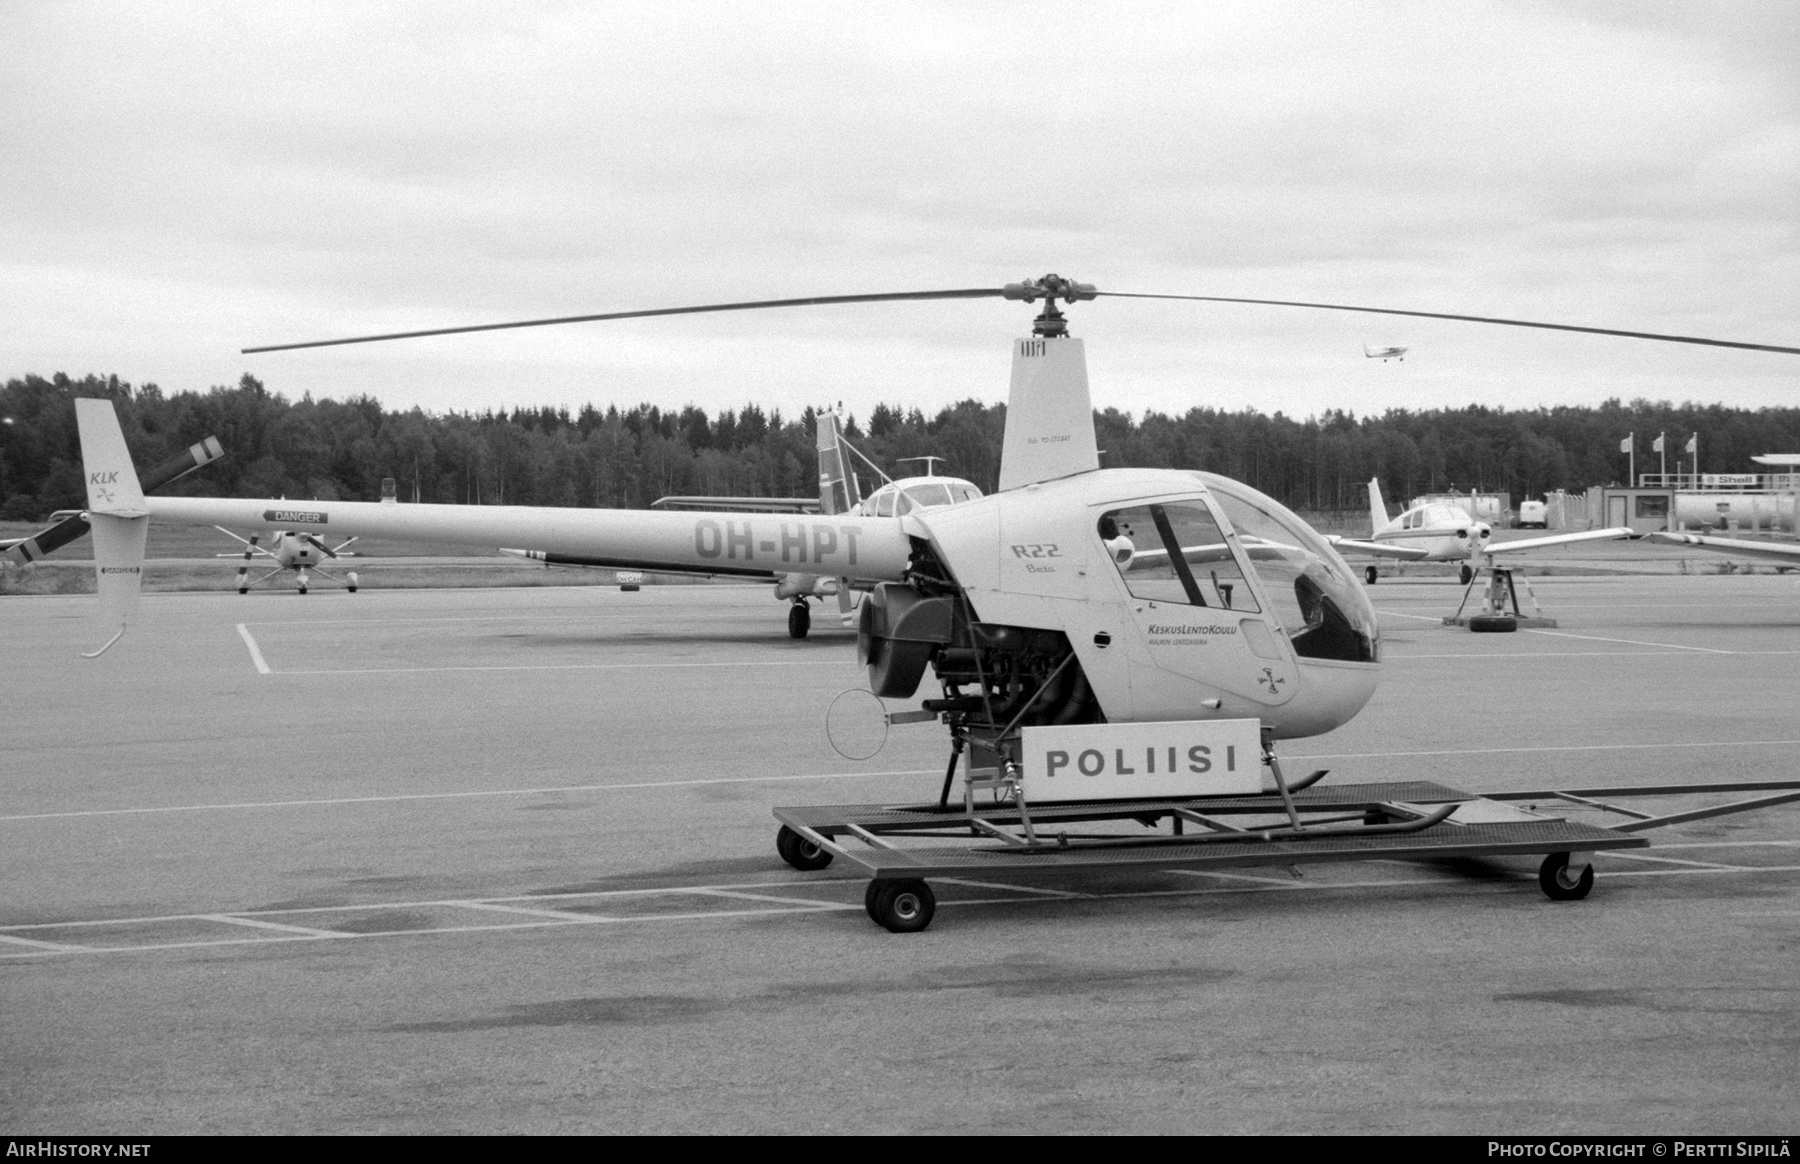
1440	531
839	493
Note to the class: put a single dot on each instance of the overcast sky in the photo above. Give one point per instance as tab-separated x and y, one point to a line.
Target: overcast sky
182	180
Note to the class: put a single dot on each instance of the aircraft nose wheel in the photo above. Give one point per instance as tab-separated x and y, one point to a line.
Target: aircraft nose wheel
1370	574
799	852
1464	574
902	905
1560	883
799	620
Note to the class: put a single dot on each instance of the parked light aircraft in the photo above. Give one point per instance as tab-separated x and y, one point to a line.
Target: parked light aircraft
1385	354
839	493
293	550
1439	531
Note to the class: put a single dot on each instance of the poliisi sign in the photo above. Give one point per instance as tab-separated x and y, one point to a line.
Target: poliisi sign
1124	761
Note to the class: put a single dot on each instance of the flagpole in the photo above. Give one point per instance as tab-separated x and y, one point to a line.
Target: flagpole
1631	478
1662	452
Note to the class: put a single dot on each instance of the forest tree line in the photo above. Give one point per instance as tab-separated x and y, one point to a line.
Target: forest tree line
626	458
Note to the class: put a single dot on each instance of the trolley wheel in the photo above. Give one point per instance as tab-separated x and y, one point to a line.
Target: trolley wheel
1559	884
903	905
869	895
1493	624
303	590
799	852
1370	574
1464	574
799	620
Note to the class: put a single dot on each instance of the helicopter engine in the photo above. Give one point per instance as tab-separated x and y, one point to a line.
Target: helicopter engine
1001	673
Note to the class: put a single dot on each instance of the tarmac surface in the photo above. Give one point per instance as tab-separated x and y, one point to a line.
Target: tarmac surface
502	861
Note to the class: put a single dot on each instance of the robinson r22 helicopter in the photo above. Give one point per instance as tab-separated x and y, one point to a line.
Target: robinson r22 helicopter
1138	637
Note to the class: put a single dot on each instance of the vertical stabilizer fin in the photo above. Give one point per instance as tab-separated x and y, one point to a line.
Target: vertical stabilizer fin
1049	415
837	483
116	514
1378	516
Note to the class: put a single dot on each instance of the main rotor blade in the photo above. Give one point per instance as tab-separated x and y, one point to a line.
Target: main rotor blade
813	301
1646	335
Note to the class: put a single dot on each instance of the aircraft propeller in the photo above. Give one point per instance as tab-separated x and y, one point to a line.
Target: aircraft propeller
1050	288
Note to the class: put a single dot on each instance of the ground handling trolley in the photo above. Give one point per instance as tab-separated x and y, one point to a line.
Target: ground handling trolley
1295	823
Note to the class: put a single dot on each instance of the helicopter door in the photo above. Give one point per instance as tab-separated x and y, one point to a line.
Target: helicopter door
1193	610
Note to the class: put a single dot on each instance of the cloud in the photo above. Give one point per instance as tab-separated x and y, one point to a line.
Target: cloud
199	178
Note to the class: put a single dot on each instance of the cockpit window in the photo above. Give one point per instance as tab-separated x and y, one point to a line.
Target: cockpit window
884	503
1174	552
929	494
964	492
1326	614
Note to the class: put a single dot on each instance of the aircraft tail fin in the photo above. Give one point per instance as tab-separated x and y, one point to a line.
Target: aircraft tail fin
1378	515
1049	414
838	492
117	514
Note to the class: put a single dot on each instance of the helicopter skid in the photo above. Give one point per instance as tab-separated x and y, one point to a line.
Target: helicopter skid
899	846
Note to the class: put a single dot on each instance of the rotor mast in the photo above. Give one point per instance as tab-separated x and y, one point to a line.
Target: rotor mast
1050	324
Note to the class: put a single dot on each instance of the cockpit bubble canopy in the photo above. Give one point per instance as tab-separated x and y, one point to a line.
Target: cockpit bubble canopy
1315	596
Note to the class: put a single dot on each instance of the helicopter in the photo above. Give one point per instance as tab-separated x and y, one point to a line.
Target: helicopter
1140	637
1226	604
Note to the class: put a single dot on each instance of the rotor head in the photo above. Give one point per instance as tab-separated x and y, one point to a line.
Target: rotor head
1050	288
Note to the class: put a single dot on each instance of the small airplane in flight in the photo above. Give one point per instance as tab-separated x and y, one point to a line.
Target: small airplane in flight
290	550
839	493
1384	354
1440	531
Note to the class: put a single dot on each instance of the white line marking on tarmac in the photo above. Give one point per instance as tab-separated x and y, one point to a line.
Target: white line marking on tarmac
258	923
1391	656
256	655
47	947
406	796
1011	888
739	895
1725	844
1555	748
1628	642
1235	876
1675	861
570	667
544	919
557	914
